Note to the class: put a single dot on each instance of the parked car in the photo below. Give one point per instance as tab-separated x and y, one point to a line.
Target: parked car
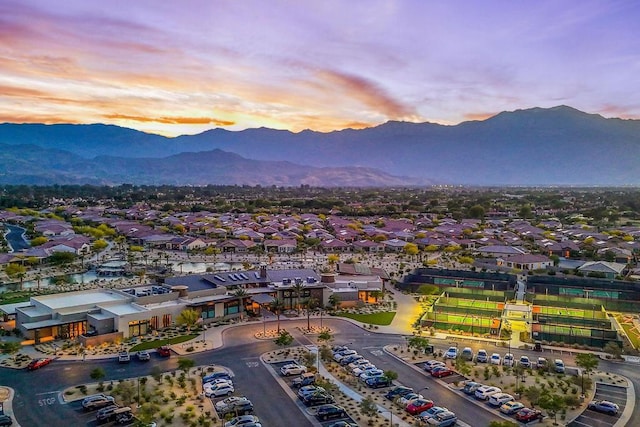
164	351
482	356
443	419
215	376
292	369
486	391
358	363
418	405
527	414
215	382
326	412
144	356
349	359
371	374
511	408
239	407
428	366
508	359
124	357
604	406
398	391
97	401
342	423
317	399
499	399
495	359
524	361
306	378
542	363
230	402
341	355
38	363
559	366
425	415
218	390
377	382
470	387
451	353
364	368
467	354
242	420
124	418
441	371
309	389
5	420
408	398
107	412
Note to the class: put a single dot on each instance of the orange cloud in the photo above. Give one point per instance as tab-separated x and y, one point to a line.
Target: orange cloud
172	120
20	91
367	92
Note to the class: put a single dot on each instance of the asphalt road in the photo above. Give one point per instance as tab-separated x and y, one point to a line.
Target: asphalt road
37	403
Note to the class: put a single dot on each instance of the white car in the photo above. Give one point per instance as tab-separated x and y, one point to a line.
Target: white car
495	359
408	398
371	374
524	361
452	353
365	368
499	399
485	392
508	359
292	369
358	363
229	401
339	356
242	420
214	383
428	366
219	390
482	356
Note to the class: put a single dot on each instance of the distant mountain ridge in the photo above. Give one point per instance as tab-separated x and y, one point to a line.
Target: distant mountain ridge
537	146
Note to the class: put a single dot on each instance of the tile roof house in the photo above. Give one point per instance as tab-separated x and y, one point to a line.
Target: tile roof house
281	246
335	245
526	262
368	246
609	269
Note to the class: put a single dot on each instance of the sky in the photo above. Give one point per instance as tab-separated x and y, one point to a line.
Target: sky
182	67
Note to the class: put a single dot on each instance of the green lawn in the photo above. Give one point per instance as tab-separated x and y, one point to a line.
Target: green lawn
148	345
383	318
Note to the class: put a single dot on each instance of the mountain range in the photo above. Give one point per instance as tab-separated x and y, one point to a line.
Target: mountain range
537	146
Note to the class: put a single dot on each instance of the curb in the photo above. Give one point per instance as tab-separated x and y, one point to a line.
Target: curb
7	406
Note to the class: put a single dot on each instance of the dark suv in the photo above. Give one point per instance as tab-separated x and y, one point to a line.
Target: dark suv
377	382
326	412
241	407
398	391
317	399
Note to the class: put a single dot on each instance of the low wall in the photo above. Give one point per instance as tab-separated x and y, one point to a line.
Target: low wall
100	339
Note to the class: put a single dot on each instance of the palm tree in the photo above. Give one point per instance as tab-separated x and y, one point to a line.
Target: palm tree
276	307
309	304
188	317
241	293
298	288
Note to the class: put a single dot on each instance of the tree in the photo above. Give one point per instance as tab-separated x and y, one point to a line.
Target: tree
368	407
533	394
309	304
298	288
613	349
419	343
392	375
325	336
99	245
476	211
185	364
333	259
241	293
188	317
40	240
334	301
588	362
61	258
552	403
97	374
276	307
284	338
411	249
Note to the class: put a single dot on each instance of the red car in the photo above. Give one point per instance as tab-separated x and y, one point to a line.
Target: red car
38	363
418	406
164	351
441	371
525	415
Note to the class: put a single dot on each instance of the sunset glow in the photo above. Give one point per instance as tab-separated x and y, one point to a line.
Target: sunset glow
188	66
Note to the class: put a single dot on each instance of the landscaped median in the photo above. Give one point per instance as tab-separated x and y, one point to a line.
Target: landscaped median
168	398
383	318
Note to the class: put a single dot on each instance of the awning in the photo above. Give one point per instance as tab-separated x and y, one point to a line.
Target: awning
262	299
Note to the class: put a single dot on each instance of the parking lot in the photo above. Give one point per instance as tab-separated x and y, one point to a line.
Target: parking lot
308	410
589	418
85	417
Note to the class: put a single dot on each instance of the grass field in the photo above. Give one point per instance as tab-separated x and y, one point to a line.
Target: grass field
383	318
463	320
565	330
148	345
461	302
